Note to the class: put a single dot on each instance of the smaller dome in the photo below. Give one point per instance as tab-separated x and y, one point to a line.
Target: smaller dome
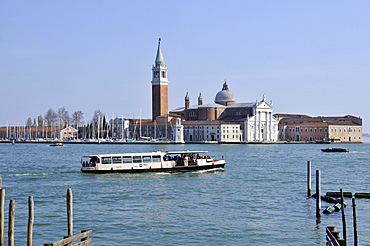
225	96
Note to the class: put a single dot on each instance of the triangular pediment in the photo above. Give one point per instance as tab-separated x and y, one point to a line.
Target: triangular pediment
264	105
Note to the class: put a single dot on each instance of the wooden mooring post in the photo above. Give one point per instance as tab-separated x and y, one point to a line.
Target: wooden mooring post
11	223
2	211
69	197
318	194
309	179
354	222
343	218
30	220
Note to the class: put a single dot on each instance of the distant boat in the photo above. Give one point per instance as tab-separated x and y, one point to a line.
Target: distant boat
323	142
56	144
335	150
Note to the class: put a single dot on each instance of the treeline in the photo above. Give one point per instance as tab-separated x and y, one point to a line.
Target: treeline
61	116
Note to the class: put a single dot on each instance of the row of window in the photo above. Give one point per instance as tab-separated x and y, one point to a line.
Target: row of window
297	129
199	137
224	127
130	159
345	129
306	130
227	136
227	131
321	138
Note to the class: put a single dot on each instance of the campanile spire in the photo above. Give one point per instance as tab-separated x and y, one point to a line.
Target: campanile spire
159	60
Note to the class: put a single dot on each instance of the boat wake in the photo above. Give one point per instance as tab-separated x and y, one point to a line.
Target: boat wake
218	169
37	174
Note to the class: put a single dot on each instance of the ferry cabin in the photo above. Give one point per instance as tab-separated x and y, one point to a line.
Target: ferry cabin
149	162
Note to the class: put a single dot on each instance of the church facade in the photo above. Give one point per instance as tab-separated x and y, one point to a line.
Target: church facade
256	120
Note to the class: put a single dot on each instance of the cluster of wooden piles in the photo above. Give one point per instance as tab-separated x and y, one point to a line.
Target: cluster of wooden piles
68	240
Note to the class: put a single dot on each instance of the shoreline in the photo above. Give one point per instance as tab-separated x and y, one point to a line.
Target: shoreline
157	142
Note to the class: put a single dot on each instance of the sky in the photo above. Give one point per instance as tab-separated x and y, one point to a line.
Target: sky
307	57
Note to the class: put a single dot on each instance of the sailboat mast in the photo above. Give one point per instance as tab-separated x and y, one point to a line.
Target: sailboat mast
140	124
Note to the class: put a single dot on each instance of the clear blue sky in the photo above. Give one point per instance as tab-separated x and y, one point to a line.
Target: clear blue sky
308	57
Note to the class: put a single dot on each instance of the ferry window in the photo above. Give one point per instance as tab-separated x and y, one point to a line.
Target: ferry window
137	159
106	160
156	158
147	159
117	159
127	159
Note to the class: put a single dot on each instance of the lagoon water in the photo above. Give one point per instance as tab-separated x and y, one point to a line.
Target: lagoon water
259	199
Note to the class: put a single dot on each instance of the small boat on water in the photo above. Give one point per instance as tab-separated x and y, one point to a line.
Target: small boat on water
56	144
160	161
335	150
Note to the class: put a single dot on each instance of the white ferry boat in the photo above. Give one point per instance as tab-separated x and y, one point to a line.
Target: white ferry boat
172	161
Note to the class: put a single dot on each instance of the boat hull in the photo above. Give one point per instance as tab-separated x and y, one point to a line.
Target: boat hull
159	170
334	150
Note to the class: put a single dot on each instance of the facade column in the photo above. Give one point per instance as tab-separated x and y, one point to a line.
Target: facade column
255	125
259	126
270	126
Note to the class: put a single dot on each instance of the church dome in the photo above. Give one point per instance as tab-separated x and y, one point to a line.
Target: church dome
225	96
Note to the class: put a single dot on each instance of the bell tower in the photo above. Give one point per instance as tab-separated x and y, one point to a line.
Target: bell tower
159	85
